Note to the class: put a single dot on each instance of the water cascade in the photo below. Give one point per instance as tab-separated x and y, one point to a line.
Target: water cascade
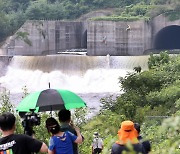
81	74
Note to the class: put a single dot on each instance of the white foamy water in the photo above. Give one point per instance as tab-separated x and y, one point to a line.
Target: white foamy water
92	77
93	81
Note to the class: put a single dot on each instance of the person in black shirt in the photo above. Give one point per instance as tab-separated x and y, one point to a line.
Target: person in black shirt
17	143
146	144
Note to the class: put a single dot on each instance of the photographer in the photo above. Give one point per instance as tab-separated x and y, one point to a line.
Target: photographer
17	143
30	120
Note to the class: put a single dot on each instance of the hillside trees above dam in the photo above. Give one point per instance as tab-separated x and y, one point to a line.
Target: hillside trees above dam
14	13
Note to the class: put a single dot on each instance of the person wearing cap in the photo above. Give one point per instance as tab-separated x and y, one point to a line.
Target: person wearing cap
61	142
146	144
97	144
127	134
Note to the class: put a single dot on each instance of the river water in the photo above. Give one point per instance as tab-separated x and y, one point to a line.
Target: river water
91	77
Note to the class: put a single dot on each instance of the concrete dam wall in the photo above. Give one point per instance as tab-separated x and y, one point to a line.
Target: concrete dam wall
118	38
100	38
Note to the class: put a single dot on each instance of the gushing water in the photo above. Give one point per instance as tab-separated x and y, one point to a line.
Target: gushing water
92	77
81	74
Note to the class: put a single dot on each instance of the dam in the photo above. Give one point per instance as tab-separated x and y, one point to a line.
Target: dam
98	38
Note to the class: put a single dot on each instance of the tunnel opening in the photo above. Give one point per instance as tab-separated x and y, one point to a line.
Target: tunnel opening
168	38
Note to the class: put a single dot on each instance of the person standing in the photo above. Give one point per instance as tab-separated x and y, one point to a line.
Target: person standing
146	144
17	143
61	142
66	125
97	144
127	134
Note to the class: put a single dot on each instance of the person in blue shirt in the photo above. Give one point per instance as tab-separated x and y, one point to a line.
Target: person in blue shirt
61	142
64	117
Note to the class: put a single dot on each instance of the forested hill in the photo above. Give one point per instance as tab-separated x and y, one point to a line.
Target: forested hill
13	13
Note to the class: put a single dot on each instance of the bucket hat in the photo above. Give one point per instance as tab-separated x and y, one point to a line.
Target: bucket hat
96	134
127	133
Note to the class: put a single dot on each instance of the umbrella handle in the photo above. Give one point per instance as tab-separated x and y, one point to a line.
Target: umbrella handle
51	111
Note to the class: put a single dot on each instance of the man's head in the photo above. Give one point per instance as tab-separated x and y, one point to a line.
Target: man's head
7	121
137	127
64	115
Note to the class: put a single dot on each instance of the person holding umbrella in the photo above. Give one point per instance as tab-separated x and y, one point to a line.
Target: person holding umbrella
67	125
61	142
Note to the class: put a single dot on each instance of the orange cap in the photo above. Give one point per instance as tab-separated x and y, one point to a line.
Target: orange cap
127	133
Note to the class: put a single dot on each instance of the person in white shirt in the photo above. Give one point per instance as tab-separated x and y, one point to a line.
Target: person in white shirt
97	144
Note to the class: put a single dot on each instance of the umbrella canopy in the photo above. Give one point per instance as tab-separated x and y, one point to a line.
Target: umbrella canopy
49	100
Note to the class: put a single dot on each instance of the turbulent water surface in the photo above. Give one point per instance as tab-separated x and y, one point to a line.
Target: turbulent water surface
91	77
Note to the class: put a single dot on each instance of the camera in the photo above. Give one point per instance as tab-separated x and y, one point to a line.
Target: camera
30	120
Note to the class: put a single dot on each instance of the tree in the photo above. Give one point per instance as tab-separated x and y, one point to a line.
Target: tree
137	69
24	37
157	60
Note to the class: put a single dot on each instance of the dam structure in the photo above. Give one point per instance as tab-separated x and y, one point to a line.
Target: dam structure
98	38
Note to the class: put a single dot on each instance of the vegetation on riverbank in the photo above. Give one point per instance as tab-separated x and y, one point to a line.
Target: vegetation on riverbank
151	98
14	13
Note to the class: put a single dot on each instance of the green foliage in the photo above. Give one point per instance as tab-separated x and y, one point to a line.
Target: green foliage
167	96
149	98
40	130
25	91
167	136
117	18
156	61
107	124
79	116
159	2
3	25
6	105
175	15
142	83
139	9
108	103
24	37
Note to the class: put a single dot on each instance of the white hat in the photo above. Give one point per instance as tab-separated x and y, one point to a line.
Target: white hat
96	134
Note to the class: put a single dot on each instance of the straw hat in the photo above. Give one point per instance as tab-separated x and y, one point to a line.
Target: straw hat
127	133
